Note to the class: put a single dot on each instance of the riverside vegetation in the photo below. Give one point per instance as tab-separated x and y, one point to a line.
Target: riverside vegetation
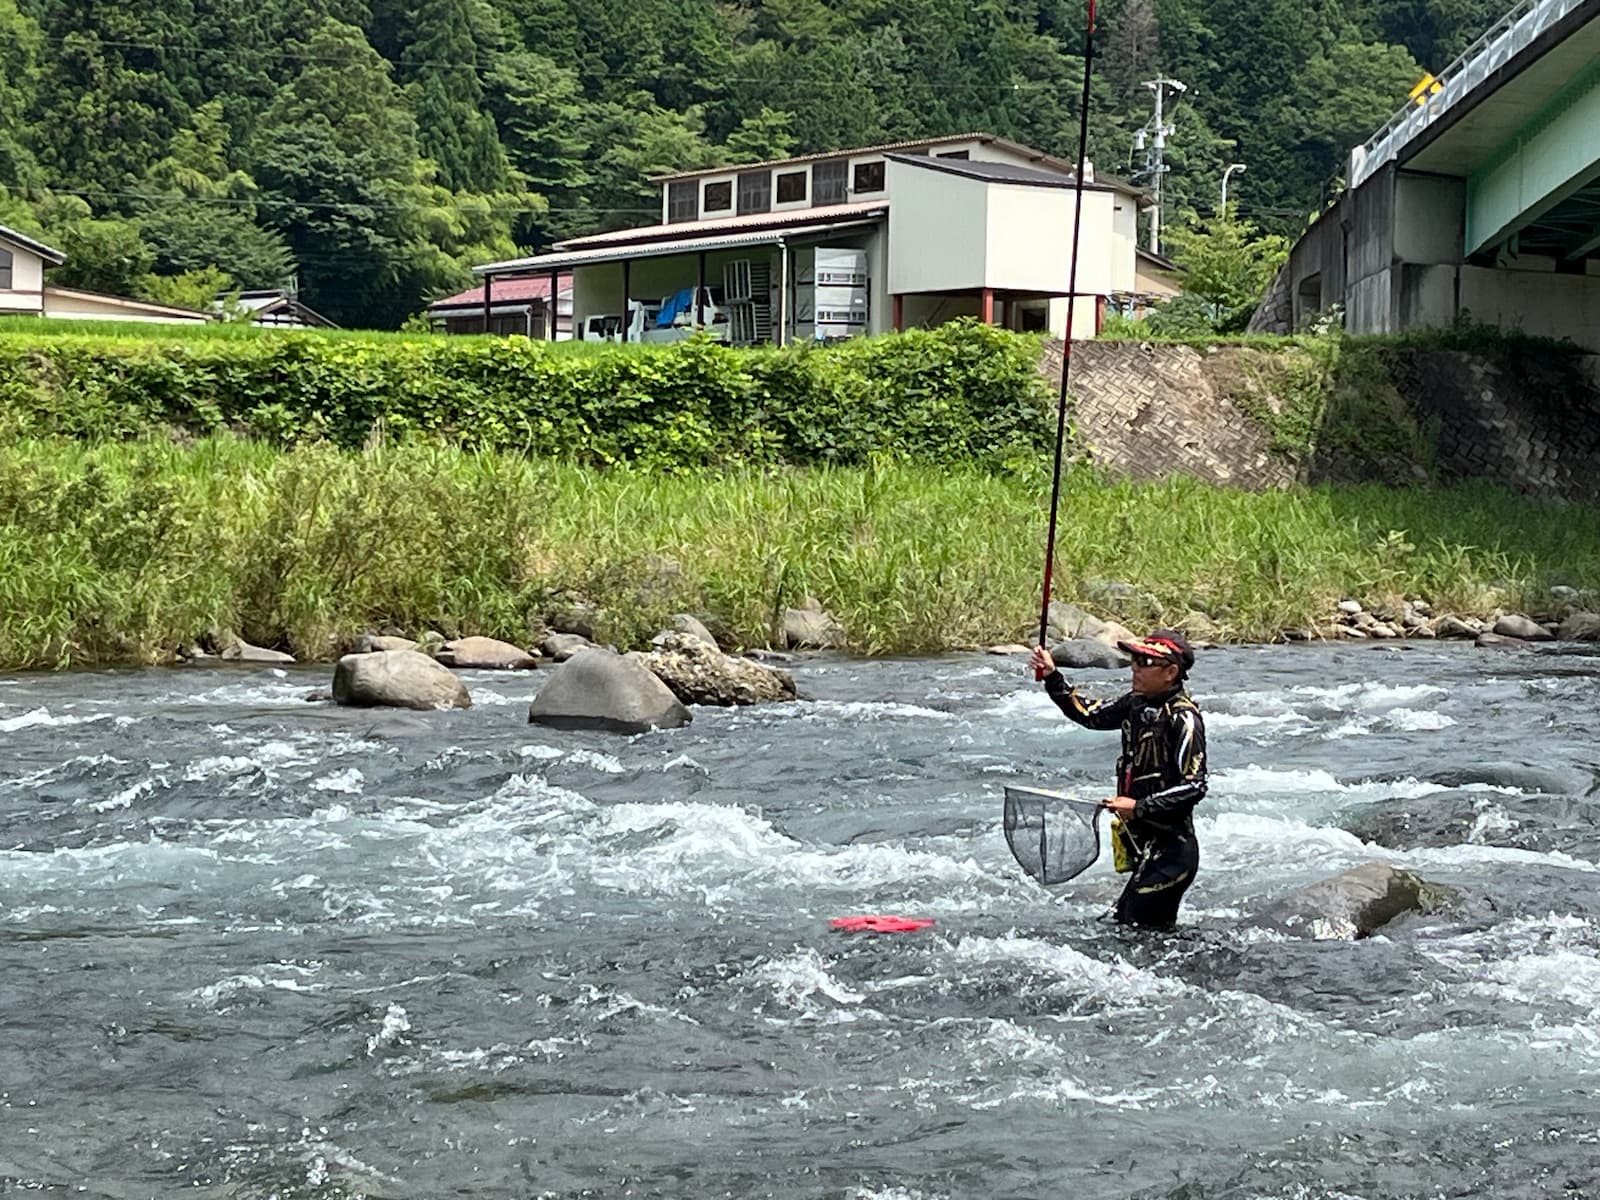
300	490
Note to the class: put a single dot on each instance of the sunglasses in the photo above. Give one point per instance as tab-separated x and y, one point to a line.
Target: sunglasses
1146	660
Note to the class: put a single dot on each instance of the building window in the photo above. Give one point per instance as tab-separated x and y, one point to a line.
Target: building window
5	270
956	154
719	197
791	187
681	198
755	192
869	177
829	181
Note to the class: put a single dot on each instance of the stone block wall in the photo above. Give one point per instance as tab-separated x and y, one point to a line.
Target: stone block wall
1521	418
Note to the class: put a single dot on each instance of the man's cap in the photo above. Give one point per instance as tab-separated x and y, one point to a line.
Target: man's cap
1166	644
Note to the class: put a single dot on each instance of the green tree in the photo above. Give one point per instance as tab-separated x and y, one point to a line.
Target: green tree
337	158
104	254
106	104
440	64
766	135
20	42
541	115
1227	264
633	142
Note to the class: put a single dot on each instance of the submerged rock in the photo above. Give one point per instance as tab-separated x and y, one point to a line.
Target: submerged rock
1357	903
397	679
600	689
699	673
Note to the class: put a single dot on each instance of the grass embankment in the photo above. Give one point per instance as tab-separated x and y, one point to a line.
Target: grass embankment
118	553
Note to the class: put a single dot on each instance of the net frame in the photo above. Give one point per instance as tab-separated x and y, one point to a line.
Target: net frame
1054	837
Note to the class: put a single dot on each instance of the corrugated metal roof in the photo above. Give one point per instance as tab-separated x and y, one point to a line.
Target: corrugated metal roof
794	216
507	291
856	216
998	172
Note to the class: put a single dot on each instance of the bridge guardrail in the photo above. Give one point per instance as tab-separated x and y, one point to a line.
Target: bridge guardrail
1507	38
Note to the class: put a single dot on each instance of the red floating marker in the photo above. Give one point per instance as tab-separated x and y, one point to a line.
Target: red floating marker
881	924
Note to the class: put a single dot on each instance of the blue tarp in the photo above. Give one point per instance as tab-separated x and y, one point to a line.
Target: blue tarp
680	301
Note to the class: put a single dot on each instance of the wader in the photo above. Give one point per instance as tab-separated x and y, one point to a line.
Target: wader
1163	767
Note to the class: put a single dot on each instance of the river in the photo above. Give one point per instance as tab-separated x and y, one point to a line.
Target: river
252	946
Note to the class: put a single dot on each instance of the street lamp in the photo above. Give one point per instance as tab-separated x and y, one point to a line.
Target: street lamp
1226	175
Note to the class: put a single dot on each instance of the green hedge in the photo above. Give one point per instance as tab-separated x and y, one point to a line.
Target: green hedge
961	393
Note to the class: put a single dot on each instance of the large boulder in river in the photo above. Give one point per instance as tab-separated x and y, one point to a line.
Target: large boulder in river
487	654
1357	903
397	679
699	673
601	689
1086	653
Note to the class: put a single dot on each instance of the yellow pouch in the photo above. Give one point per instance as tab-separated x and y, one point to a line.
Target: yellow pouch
1121	847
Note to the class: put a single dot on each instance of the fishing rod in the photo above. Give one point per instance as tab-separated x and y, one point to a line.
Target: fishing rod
1066	342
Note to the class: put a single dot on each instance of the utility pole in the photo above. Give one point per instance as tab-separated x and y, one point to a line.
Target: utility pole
1156	167
1232	167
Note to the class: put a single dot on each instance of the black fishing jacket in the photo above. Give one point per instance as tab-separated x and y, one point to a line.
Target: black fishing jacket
1163	761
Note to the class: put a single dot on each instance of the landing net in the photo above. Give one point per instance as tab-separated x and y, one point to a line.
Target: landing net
1053	837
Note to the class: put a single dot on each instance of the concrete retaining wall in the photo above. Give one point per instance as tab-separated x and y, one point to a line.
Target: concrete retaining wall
1519	418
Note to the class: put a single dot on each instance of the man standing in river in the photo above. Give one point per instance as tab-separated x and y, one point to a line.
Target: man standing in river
1161	774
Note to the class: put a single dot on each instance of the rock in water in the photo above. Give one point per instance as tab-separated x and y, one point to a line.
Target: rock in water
1088	654
600	689
699	673
488	654
1357	903
397	679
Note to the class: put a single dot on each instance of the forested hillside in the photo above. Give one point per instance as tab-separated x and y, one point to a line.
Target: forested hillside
372	150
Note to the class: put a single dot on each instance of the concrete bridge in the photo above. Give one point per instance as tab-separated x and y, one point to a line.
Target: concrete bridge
1481	203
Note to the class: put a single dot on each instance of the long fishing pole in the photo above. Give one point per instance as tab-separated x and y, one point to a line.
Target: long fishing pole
1066	342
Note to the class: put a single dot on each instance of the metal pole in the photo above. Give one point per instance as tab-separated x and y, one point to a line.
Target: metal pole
1161	144
488	287
1232	167
783	293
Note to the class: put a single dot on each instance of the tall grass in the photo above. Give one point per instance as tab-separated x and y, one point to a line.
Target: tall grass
118	553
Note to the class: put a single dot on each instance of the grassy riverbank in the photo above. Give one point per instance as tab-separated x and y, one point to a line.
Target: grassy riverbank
118	553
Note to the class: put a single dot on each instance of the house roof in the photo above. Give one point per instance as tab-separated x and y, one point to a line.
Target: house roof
748	222
49	253
143	306
1159	262
272	301
518	290
1001	172
671	239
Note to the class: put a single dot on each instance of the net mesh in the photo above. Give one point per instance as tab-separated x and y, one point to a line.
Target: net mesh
1053	837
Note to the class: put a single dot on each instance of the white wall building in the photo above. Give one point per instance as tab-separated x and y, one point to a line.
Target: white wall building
859	241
